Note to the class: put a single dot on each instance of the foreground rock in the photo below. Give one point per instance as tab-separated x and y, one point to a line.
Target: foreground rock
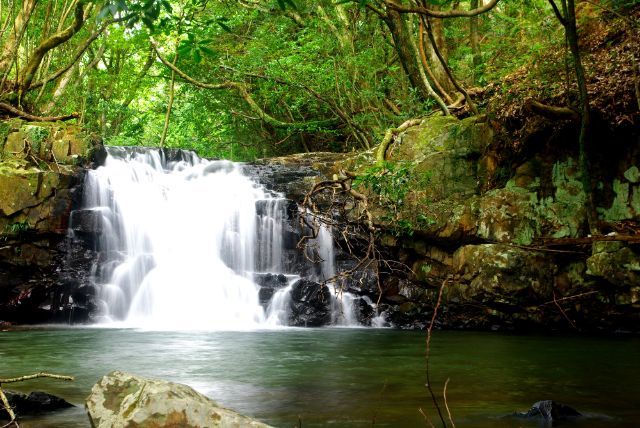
125	400
35	403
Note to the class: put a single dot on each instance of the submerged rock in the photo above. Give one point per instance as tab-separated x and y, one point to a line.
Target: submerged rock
35	403
121	399
550	411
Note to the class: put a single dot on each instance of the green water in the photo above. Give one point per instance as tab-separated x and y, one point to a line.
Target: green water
344	377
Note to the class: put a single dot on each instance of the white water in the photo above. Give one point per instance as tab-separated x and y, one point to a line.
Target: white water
182	240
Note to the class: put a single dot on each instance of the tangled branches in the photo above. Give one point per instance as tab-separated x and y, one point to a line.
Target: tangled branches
336	206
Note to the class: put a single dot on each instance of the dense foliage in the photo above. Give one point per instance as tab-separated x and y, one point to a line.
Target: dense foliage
243	79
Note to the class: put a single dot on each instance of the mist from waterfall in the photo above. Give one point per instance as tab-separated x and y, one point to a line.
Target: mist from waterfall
182	240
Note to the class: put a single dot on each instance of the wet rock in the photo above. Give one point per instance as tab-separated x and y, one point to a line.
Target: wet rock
270	280
121	399
364	311
550	411
310	304
269	283
36	402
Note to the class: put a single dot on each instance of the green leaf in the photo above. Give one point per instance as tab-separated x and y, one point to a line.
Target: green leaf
207	51
197	57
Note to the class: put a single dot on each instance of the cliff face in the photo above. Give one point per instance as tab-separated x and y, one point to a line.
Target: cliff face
42	168
511	241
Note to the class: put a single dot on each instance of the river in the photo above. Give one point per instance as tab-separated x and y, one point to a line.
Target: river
342	377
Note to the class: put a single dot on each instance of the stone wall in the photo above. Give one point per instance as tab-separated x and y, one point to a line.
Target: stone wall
42	168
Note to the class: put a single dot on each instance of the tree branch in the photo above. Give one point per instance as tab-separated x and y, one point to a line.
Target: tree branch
50	43
390	135
441	13
244	93
19	113
556	11
81	50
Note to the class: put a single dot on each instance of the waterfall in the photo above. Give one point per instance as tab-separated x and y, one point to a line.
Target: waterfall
342	307
183	240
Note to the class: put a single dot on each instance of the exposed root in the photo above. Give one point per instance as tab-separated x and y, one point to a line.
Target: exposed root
391	135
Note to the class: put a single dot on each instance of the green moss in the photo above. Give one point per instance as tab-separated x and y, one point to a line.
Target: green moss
632	174
635	201
36	136
5	128
619	209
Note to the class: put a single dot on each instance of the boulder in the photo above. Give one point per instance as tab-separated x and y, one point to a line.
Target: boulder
124	400
310	304
615	263
503	274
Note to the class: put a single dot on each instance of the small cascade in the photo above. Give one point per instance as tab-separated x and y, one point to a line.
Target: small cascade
189	243
343	311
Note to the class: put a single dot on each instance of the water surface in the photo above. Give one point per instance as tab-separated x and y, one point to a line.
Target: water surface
343	377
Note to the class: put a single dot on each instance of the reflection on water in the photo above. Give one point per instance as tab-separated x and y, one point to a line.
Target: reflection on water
343	377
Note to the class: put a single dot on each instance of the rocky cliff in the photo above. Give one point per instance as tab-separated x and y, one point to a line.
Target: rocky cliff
42	169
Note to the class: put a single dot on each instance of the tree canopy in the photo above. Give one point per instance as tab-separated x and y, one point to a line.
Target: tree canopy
249	78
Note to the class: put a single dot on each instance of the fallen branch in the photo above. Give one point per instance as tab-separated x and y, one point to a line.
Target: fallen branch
35	376
33	118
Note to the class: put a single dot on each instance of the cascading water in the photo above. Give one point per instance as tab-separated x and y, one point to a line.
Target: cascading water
183	239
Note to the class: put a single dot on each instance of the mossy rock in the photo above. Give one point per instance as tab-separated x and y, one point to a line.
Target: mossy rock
621	267
18	188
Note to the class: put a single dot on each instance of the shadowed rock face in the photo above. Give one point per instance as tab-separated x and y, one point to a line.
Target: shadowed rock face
121	399
36	402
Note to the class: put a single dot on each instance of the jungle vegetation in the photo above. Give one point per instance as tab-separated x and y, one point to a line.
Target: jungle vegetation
243	79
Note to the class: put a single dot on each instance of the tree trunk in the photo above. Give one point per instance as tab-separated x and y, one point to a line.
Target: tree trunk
475	42
10	47
585	116
167	117
48	44
402	43
437	28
